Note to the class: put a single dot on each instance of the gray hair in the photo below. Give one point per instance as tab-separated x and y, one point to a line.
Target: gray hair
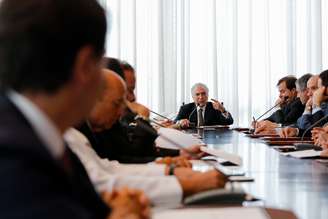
302	81
193	88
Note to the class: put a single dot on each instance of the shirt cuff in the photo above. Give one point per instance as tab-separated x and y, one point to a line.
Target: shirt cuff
306	112
316	109
226	114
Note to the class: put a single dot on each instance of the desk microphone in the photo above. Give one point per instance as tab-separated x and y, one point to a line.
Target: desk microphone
192	112
164	117
141	118
284	100
314	124
192	124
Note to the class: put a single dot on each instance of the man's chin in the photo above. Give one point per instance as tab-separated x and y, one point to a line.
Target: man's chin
201	104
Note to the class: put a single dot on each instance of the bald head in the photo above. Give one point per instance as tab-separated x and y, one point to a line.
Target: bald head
312	85
111	106
115	85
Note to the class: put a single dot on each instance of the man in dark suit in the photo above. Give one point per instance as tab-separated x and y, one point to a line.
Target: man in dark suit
290	107
201	112
318	110
50	58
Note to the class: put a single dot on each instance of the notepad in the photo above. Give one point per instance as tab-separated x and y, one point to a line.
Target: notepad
214	127
183	139
304	154
233	158
213	213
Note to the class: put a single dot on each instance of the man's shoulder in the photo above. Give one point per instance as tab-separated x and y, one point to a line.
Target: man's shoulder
188	106
15	131
296	102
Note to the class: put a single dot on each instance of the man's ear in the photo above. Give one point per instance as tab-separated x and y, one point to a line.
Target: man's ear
84	64
294	91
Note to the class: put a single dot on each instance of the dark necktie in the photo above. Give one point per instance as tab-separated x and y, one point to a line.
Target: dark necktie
200	117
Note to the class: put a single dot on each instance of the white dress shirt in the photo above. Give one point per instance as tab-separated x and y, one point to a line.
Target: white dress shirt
109	175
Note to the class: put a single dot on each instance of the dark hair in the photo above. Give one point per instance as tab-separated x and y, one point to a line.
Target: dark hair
324	78
302	81
39	40
114	65
126	66
290	82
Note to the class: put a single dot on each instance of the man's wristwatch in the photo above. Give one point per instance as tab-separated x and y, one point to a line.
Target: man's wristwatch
171	169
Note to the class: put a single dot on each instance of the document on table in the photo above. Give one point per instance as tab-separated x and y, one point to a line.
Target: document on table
213	213
304	154
175	137
214	126
233	158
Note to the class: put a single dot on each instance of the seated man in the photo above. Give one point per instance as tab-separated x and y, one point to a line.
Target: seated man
201	112
305	120
109	175
290	107
109	132
319	109
50	78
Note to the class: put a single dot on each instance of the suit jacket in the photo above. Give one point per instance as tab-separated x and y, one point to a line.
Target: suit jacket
211	116
126	144
306	120
33	183
289	113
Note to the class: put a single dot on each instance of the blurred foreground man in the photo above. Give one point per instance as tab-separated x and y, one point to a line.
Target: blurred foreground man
50	58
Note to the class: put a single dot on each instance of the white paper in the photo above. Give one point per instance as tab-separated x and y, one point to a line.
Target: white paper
183	139
304	154
213	213
233	158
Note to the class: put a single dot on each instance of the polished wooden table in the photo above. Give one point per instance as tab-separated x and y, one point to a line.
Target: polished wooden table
300	185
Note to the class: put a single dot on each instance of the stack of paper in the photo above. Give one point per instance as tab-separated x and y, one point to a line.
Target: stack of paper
175	139
233	158
303	154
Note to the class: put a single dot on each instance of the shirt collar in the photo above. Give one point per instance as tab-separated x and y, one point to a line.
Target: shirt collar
201	107
41	123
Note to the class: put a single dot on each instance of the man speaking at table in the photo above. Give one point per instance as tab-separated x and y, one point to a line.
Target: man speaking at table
201	112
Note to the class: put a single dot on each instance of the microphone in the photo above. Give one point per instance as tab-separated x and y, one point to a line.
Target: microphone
314	124
192	124
164	117
284	100
192	112
141	118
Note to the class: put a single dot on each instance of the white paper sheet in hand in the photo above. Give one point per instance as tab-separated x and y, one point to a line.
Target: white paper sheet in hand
213	213
233	158
304	154
177	136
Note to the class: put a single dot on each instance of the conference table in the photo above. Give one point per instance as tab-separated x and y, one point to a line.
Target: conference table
299	185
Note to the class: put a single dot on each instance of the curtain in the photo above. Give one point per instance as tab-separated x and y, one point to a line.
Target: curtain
239	48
